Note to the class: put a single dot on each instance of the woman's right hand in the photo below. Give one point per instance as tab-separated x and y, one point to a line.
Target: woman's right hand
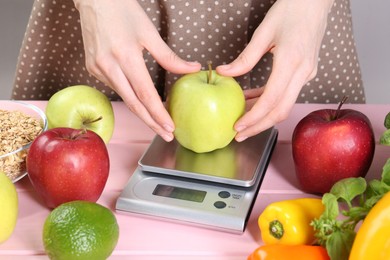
115	34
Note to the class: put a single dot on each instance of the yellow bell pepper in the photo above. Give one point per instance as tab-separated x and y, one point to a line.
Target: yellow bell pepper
372	240
288	222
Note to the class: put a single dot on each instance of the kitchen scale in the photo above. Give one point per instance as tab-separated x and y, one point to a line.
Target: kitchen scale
215	190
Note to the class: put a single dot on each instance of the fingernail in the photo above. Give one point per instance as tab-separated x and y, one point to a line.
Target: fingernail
225	67
167	137
239	128
193	63
168	128
241	138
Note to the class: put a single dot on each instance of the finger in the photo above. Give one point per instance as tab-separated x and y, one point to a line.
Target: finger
278	102
122	85
168	59
251	97
270	119
269	110
248	58
137	74
253	92
257	119
250	103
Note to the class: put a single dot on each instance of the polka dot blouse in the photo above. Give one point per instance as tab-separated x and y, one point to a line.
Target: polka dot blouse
52	53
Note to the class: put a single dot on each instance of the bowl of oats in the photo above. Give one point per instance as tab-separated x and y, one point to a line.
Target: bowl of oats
20	123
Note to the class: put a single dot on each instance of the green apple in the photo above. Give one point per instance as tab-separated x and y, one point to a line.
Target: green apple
220	163
204	107
80	107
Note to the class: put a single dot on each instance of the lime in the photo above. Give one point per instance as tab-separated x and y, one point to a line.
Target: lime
80	230
8	206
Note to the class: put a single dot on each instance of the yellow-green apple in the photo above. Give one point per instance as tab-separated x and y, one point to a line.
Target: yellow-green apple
329	145
81	107
204	107
66	164
9	205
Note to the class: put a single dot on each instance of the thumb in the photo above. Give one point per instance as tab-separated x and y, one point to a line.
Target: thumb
241	65
248	58
177	65
170	61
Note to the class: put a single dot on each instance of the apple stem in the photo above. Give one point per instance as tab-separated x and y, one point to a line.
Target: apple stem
209	63
93	120
79	133
345	98
83	131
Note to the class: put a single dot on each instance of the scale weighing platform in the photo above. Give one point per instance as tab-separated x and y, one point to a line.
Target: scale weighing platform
215	190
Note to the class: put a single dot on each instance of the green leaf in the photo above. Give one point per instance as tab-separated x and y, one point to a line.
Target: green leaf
376	188
354	212
348	188
331	206
386	172
387	121
354	216
339	244
385	138
372	201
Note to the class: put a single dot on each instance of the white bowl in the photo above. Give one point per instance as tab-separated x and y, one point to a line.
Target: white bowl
13	159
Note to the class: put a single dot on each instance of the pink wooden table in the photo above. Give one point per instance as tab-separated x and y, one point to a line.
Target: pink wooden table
145	238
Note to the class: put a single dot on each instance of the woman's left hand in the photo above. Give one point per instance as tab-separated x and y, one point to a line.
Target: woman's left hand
292	31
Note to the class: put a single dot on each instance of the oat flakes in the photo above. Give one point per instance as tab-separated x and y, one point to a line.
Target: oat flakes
16	130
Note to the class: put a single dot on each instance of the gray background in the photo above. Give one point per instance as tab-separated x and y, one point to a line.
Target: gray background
371	26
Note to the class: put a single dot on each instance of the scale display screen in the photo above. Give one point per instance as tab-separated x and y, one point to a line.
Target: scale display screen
179	193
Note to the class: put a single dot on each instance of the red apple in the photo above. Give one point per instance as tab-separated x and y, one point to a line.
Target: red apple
66	164
329	145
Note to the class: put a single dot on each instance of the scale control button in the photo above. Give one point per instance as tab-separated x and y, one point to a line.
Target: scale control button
224	194
220	204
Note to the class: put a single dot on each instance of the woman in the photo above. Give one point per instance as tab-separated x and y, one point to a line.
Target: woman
281	52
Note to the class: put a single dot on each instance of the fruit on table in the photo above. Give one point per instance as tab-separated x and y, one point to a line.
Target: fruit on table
8	206
204	107
348	203
329	145
372	240
80	230
80	107
289	252
288	221
66	164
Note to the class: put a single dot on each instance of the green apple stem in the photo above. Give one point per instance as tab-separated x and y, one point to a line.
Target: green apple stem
90	121
209	63
345	98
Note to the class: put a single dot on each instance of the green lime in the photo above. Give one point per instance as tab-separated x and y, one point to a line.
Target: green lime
80	230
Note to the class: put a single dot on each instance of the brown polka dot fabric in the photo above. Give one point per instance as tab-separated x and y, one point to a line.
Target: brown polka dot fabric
52	54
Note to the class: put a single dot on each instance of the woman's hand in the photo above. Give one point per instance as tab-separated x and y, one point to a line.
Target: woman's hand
115	34
292	31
